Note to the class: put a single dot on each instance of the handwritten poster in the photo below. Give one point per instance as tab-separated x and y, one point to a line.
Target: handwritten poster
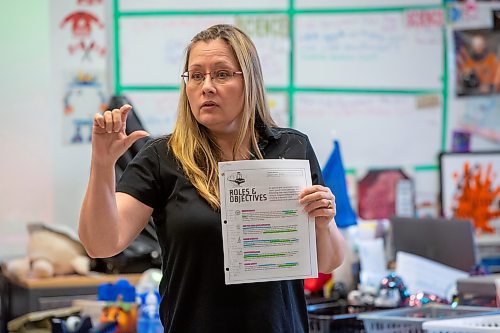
157	110
374	130
152	47
308	4
134	5
370	50
79	53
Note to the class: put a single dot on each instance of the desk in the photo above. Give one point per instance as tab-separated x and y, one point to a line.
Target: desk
19	297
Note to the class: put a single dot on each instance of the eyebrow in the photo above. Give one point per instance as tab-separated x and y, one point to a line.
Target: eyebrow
218	63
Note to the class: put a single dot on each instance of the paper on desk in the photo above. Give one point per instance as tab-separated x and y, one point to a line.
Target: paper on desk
423	275
266	234
372	261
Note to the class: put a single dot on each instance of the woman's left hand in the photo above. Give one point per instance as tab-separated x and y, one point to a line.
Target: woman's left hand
319	202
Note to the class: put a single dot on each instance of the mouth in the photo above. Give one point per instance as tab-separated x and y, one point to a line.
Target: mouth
208	104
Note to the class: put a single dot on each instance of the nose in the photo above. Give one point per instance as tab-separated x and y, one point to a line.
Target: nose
207	84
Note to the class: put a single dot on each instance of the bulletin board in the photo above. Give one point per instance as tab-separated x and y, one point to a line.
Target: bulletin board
346	62
472	107
343	69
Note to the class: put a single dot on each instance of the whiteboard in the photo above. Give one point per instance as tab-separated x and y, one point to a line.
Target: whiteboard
152	47
278	107
334	4
386	50
200	5
374	130
157	110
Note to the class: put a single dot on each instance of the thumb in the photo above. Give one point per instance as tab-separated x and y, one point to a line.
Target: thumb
134	136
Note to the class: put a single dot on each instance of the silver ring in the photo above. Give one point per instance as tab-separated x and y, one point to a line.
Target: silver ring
329	205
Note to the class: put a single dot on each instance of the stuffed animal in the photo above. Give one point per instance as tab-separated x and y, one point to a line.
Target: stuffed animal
51	251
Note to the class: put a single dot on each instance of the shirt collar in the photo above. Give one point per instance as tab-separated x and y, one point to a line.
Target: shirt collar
271	132
267	134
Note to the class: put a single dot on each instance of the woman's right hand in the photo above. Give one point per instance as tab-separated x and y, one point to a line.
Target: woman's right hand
109	140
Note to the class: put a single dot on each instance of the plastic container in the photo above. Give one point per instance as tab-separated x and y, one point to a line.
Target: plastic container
410	320
149	315
122	290
476	324
333	317
90	308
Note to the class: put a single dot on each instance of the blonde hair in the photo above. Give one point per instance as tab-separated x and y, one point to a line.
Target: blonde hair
192	143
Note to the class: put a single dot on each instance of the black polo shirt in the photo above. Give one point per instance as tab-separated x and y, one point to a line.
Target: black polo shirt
194	295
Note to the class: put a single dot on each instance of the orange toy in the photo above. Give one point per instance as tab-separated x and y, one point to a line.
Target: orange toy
125	314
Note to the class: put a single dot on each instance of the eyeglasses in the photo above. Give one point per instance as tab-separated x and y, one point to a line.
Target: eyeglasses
221	76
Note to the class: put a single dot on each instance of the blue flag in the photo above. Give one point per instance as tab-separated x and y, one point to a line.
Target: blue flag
334	176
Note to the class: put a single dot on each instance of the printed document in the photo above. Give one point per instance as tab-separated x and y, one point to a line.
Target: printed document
267	236
423	275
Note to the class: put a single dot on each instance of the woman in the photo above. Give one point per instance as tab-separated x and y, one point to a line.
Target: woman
222	116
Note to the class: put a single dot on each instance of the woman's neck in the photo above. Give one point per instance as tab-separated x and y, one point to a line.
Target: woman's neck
226	142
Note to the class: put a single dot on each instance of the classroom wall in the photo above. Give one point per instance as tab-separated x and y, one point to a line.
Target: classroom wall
43	179
376	75
26	121
40	179
332	69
